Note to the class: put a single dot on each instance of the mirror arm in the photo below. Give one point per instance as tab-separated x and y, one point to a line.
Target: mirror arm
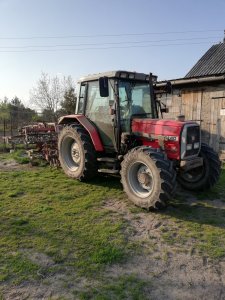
160	107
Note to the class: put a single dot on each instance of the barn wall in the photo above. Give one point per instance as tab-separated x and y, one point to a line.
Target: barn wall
205	105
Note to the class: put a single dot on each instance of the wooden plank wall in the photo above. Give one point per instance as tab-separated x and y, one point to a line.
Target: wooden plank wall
204	105
191	102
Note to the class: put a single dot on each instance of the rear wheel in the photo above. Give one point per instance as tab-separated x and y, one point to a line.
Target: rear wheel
148	178
205	176
76	153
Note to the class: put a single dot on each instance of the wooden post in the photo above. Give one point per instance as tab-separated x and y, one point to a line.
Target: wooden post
11	125
4	131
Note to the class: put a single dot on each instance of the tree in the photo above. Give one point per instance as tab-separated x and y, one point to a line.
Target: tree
47	116
4	116
4	111
15	108
68	105
49	92
20	114
13	114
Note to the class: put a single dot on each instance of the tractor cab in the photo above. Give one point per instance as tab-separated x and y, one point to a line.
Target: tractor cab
112	100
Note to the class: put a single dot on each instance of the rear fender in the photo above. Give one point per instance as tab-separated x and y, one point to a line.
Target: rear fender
81	119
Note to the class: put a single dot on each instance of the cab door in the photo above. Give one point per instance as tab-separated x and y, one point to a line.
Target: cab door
98	111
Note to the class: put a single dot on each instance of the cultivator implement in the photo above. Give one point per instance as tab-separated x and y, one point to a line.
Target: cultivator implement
43	137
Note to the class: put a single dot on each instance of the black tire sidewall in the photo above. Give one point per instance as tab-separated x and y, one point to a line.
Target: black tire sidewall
204	182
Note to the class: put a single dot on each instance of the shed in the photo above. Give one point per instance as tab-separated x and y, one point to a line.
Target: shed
200	96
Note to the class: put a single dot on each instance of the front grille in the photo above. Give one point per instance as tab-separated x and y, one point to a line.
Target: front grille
190	141
193	136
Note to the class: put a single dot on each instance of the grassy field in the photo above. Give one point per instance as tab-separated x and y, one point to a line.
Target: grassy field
3	147
61	234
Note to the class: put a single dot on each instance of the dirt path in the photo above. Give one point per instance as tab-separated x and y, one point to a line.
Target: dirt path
173	274
12	165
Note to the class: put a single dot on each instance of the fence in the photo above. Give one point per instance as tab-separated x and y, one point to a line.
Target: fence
10	124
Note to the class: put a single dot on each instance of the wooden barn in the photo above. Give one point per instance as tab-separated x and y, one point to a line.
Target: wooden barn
200	96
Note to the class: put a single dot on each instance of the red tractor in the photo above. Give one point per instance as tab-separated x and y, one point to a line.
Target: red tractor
117	129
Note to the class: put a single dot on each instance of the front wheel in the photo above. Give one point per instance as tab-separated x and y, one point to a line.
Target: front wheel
205	176
148	178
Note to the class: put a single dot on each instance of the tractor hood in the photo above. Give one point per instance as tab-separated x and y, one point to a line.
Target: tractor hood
164	134
157	127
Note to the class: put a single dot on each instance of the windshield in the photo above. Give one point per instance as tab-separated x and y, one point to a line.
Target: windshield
135	100
136	97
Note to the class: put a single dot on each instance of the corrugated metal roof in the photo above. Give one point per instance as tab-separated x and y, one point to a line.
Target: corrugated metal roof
211	63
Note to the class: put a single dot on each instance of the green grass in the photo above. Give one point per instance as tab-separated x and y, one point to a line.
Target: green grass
20	156
46	212
4	147
43	211
126	287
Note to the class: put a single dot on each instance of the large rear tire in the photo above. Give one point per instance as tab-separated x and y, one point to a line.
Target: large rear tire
204	177
77	155
148	178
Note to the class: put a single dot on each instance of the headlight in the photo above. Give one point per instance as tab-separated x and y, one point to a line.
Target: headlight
196	145
190	140
189	146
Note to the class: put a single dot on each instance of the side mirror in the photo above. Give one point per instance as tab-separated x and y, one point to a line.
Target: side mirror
104	86
164	109
168	87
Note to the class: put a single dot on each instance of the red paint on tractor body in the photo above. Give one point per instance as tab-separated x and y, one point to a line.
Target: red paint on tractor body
160	134
88	126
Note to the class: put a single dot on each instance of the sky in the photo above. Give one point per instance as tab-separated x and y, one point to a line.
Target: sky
76	38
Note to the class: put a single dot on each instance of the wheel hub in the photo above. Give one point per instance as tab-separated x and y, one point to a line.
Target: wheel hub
141	179
144	177
75	153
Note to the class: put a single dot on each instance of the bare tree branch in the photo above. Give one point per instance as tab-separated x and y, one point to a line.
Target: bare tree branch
49	92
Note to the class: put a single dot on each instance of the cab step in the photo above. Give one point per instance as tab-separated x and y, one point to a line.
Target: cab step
109	171
107	159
